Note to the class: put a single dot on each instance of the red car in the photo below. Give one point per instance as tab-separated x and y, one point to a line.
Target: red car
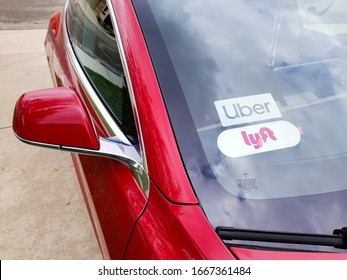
201	129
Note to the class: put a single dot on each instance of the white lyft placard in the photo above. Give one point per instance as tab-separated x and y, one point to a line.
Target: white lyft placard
247	109
258	138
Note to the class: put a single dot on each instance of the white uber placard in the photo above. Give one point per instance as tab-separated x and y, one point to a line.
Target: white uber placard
260	138
247	109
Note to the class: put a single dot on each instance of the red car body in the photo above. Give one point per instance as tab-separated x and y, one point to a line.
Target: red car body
167	222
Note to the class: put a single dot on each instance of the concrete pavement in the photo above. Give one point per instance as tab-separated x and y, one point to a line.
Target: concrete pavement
27	14
42	213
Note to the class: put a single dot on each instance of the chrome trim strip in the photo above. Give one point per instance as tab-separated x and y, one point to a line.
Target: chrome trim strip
129	83
104	115
137	161
114	149
110	148
44	145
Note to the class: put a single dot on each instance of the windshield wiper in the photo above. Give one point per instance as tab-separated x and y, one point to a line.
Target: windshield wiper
338	239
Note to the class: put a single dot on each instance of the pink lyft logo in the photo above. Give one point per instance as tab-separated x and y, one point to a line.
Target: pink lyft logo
247	109
258	138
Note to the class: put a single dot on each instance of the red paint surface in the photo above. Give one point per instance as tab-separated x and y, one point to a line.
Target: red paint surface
54	116
251	254
169	224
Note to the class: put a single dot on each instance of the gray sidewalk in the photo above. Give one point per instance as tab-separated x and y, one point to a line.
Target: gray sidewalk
42	213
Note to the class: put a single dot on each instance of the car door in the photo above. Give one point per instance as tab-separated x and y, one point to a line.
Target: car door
115	193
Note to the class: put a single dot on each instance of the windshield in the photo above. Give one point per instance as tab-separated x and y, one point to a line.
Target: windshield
257	95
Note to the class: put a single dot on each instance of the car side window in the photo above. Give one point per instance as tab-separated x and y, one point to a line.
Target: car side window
93	39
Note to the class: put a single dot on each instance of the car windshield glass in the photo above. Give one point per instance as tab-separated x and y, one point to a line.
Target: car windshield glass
257	95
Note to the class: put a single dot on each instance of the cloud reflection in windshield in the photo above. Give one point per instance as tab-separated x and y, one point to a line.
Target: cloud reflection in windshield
230	49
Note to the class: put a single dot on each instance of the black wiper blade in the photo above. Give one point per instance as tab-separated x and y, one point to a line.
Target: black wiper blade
338	239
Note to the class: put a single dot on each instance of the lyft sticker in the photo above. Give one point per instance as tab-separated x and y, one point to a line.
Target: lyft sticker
255	139
247	109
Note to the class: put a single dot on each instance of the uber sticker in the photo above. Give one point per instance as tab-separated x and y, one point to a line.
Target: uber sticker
247	109
255	139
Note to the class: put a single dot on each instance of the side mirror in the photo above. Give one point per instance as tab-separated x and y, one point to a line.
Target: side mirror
54	117
57	118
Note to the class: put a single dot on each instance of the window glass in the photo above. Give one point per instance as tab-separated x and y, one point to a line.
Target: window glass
265	84
93	39
256	92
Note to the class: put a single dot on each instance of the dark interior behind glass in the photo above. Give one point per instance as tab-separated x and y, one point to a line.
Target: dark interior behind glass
93	39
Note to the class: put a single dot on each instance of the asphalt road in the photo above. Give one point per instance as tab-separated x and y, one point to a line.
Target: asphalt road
27	14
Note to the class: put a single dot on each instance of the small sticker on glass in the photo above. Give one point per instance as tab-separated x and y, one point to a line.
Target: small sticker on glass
247	109
255	139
